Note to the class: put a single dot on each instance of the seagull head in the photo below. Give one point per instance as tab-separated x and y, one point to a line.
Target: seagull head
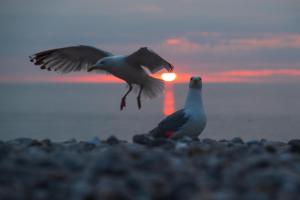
195	82
102	64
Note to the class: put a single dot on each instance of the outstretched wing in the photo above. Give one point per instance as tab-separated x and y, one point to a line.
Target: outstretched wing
67	59
170	124
148	58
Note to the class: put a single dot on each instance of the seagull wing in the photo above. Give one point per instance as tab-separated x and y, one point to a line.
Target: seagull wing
170	124
67	59
148	58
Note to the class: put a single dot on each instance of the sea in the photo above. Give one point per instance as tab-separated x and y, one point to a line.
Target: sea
62	111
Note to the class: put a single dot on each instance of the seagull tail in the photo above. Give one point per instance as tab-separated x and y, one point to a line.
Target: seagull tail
153	87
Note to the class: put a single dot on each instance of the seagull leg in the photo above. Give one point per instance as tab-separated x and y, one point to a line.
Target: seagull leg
123	101
139	97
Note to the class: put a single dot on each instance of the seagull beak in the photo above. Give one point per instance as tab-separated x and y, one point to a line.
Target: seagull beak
195	83
91	68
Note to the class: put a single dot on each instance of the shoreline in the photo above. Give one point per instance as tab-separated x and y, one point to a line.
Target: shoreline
162	169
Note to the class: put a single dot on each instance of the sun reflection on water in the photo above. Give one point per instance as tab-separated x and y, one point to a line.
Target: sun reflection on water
169	102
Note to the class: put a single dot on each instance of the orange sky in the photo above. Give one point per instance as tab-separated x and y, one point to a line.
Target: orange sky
231	76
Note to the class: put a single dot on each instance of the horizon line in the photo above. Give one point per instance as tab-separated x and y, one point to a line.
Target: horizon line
229	76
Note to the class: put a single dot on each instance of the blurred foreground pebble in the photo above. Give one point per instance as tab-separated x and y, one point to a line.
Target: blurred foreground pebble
149	169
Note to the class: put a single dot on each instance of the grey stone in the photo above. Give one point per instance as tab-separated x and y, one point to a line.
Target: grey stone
294	145
112	140
143	139
237	140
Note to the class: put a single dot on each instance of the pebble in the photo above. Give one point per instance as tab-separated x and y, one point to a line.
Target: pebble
95	140
112	140
143	139
237	140
294	145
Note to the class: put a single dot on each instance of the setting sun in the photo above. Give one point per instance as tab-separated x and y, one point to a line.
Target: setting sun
168	76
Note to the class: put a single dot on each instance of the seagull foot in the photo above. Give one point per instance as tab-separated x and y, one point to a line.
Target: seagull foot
123	104
139	103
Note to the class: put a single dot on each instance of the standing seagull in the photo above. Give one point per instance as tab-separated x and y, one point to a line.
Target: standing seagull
130	68
189	121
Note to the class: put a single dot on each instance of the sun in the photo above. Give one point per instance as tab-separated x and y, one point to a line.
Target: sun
168	76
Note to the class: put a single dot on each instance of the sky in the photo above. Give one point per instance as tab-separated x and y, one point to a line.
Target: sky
222	41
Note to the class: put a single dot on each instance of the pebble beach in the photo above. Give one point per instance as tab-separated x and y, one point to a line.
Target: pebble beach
149	169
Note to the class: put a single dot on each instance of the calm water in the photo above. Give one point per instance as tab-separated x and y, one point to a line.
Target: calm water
64	111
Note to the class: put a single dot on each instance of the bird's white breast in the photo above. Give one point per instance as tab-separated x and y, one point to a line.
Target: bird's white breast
195	124
196	115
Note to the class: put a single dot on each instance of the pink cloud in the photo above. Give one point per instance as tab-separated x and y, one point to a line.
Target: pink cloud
173	41
205	34
92	78
277	41
245	76
210	34
181	45
265	41
255	76
148	8
261	73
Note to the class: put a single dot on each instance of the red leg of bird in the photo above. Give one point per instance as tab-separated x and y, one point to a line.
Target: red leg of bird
139	97
123	100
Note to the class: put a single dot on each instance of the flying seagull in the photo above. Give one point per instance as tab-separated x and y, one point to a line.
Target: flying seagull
133	68
189	121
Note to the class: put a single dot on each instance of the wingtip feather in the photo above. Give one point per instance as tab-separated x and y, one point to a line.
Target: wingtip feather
171	67
31	58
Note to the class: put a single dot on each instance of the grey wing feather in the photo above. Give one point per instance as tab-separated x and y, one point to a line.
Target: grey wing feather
171	123
67	59
148	58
